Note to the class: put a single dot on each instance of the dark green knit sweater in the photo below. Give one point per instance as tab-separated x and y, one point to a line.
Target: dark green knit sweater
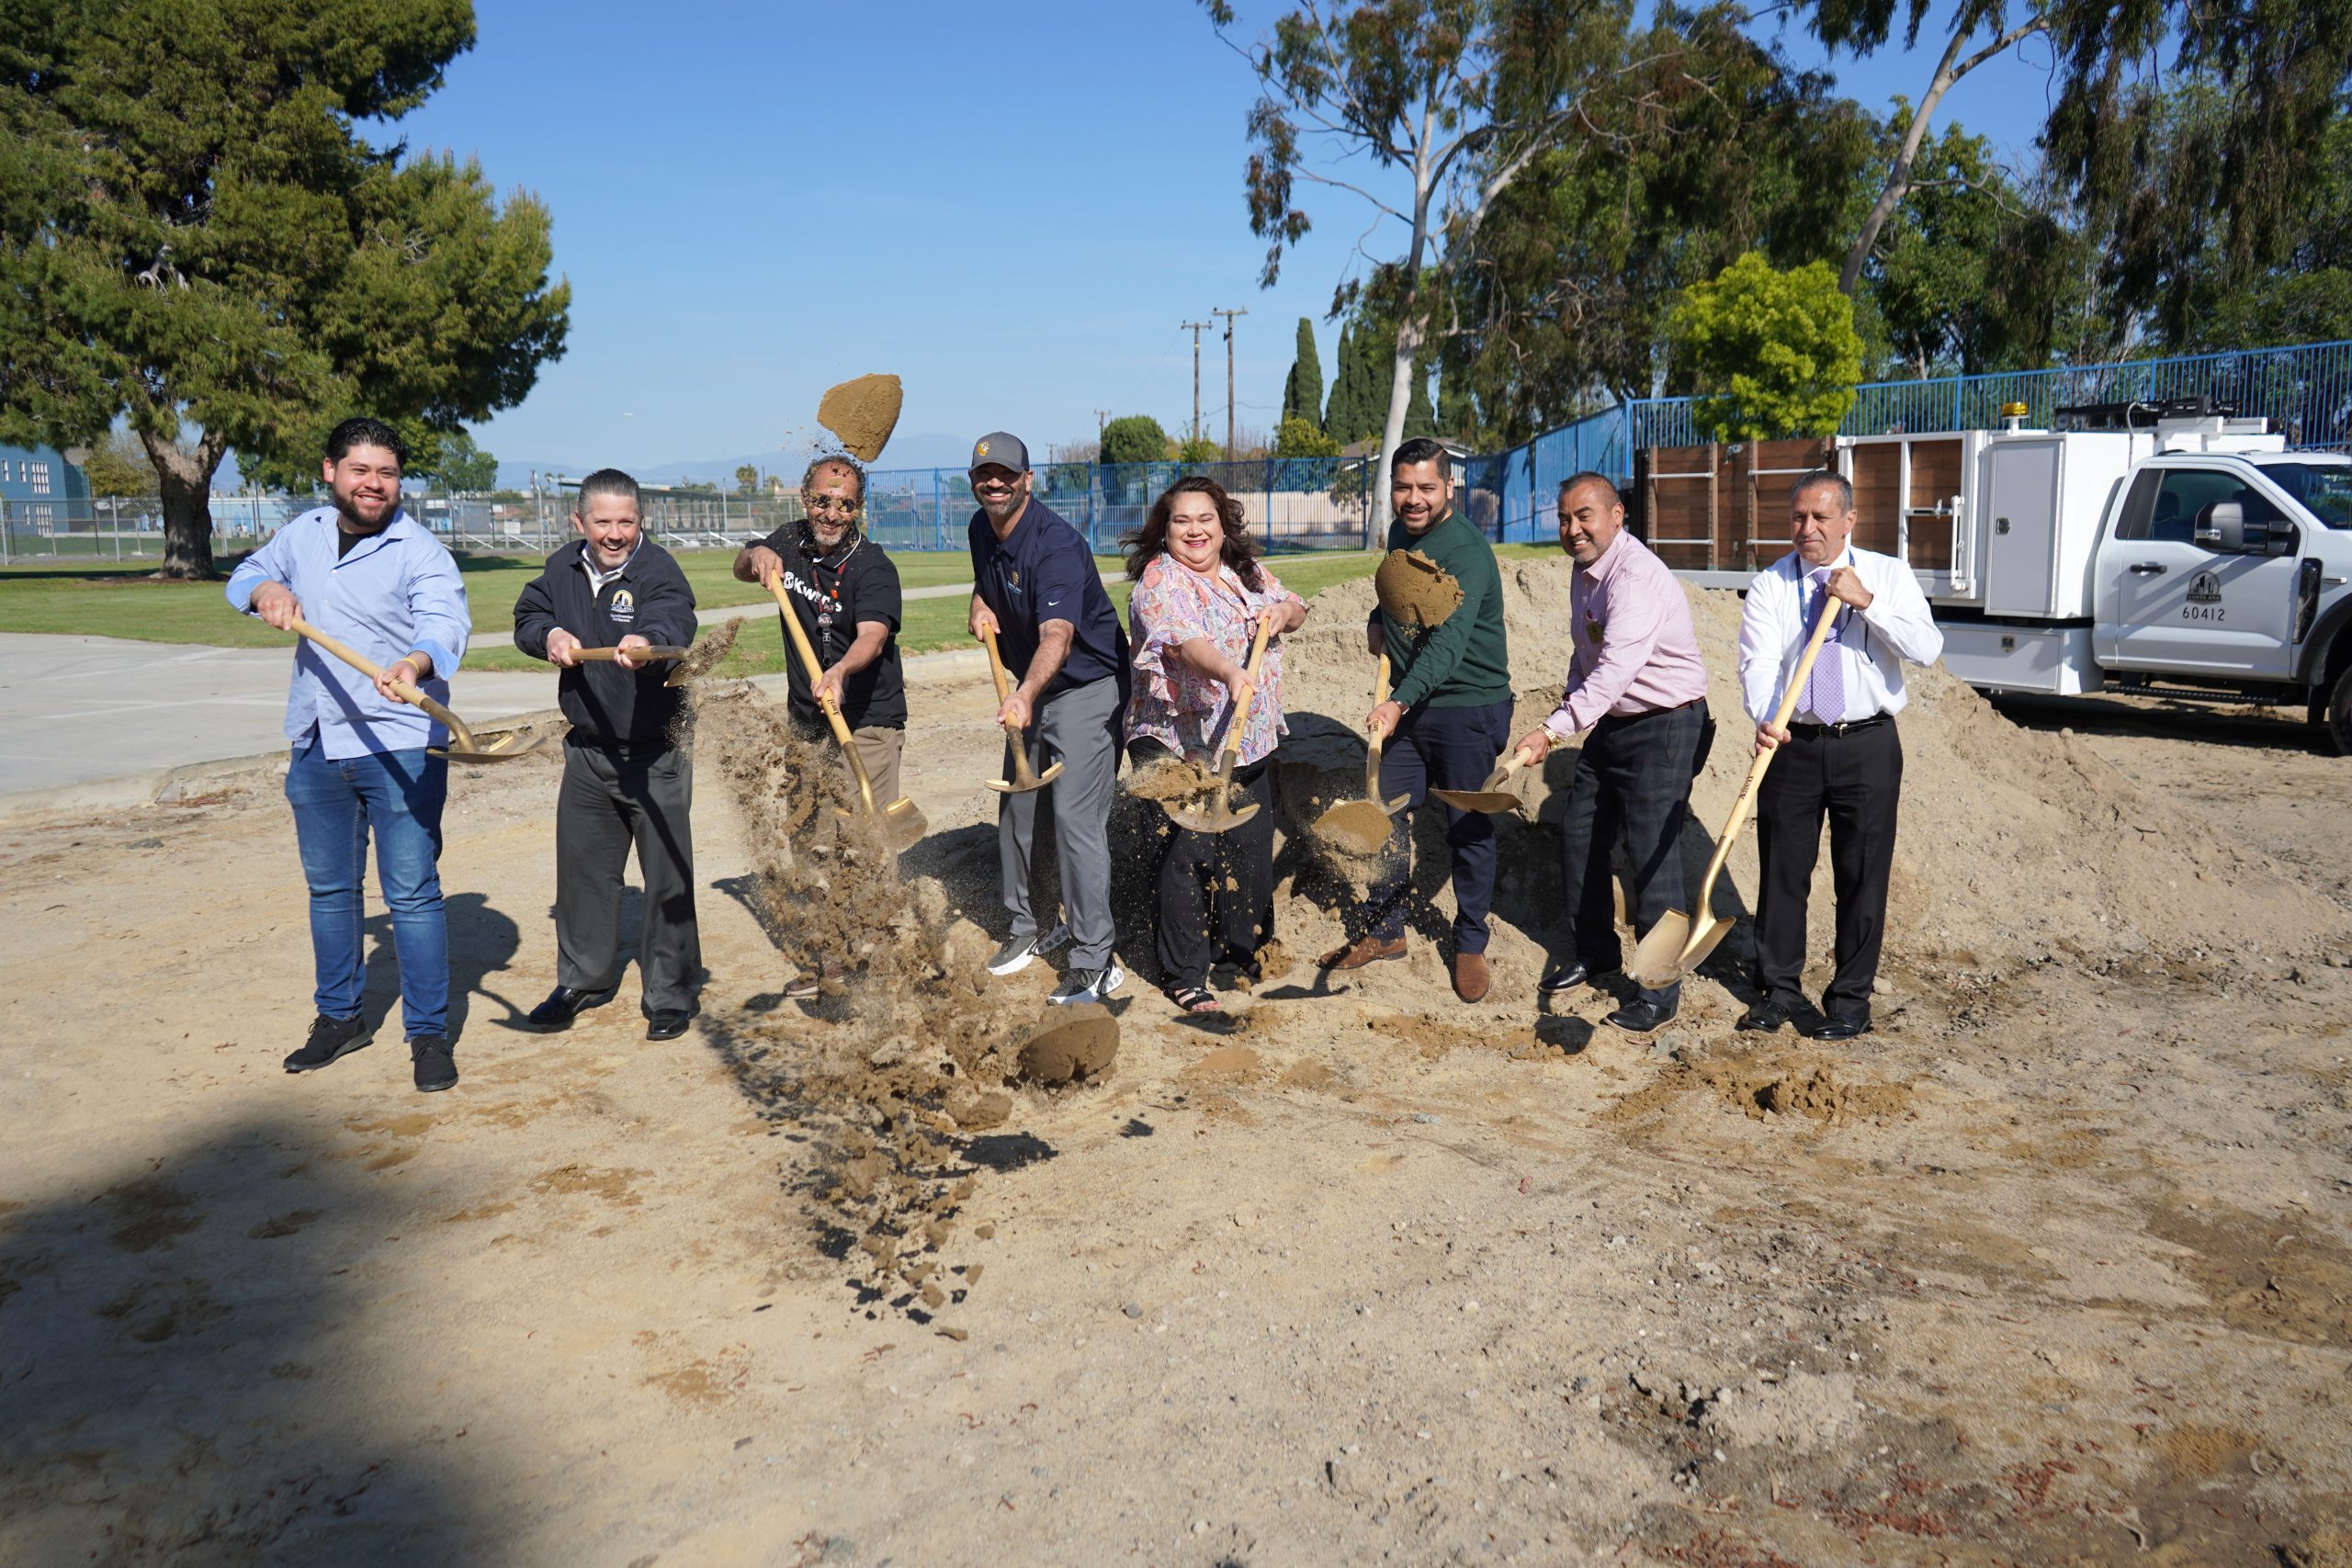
1467	662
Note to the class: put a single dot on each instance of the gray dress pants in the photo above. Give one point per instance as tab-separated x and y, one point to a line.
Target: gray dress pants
612	797
1081	726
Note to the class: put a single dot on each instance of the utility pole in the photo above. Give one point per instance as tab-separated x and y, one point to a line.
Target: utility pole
1099	415
1229	316
1196	328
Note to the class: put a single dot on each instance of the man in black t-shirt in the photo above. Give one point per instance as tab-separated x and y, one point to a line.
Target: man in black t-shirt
846	590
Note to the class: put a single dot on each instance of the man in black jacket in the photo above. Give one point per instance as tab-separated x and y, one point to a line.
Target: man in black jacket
624	779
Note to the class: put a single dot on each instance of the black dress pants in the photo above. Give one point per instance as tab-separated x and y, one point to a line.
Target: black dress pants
1632	784
1213	893
612	797
1854	780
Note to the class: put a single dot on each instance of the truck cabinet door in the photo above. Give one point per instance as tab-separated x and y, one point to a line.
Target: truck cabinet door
2021	544
2183	609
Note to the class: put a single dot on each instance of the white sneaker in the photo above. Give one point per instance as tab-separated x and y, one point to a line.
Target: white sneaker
1089	985
1016	952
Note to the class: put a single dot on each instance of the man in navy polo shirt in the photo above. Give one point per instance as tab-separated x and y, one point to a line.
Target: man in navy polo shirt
1034	582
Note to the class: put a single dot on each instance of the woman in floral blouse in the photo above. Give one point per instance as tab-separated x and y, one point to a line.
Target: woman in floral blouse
1200	593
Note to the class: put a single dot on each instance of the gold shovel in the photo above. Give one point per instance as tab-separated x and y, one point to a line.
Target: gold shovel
1491	796
901	822
1359	828
463	747
1024	777
1218	815
1674	946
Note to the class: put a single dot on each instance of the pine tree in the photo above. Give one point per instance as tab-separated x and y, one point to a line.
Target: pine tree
1339	414
1302	392
1420	419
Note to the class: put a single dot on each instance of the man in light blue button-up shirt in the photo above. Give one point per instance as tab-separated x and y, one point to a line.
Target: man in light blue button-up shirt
362	570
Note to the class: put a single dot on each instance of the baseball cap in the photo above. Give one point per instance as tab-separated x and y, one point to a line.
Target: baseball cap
1000	449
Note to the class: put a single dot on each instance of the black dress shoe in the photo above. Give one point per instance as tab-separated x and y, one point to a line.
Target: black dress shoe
1563	978
1641	1017
666	1023
1842	1028
564	1004
1764	1018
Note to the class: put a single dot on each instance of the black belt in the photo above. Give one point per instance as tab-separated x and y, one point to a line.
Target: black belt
1815	731
624	749
1648	713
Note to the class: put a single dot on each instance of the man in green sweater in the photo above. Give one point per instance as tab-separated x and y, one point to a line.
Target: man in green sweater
1447	718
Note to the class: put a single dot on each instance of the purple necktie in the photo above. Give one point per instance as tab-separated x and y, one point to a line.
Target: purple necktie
1824	690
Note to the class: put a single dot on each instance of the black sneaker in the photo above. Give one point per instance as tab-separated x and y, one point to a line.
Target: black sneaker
1017	951
330	1038
434	1067
1088	985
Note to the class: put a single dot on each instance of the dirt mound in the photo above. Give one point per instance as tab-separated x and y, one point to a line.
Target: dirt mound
863	413
1414	589
2013	843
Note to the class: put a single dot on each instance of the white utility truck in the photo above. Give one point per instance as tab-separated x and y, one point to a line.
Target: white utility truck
2138	546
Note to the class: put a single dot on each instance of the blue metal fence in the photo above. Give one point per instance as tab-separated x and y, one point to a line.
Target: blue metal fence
1309	503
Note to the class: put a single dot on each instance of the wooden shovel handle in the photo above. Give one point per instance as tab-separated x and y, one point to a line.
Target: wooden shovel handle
650	655
1241	708
832	709
1747	801
400	689
996	665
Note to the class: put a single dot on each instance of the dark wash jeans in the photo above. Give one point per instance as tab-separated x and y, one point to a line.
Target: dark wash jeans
1443	749
336	802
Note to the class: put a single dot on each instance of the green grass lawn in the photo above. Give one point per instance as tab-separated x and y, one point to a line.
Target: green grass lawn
125	602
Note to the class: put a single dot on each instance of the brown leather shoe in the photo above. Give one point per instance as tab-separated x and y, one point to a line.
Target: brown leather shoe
1362	951
1471	977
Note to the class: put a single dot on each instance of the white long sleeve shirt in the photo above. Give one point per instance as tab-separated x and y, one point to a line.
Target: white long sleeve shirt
1872	643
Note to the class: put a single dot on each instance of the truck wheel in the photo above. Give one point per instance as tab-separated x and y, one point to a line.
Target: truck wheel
2339	713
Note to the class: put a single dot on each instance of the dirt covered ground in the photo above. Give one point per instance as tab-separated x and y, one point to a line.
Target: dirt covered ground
2054	1267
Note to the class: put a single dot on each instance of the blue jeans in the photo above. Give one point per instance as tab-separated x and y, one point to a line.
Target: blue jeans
399	794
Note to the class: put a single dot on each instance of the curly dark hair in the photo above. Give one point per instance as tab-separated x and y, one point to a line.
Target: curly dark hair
1150	541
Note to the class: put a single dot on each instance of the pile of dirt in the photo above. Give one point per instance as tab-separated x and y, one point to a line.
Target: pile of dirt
2013	843
863	413
887	1078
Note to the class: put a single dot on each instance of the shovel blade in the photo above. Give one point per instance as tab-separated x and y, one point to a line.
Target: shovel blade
1358	827
1014	786
1195	819
505	749
1705	941
1657	957
1491	801
904	824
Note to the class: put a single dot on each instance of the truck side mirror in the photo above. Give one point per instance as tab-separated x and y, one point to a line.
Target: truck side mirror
2222	528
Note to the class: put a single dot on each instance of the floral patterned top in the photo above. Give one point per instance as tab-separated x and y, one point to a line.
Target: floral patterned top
1175	703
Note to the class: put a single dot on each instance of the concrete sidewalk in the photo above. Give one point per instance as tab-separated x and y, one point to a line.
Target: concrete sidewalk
102	721
82	708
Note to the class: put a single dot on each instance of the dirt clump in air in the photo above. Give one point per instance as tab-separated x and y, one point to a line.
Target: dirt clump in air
1169	778
904	1055
863	413
1078	1044
1414	589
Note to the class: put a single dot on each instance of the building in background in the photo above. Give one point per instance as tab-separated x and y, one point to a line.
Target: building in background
39	490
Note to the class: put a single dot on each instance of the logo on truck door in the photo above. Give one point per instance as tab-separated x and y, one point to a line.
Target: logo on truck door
2204	598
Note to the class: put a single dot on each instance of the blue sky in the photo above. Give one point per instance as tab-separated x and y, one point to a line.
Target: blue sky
1013	208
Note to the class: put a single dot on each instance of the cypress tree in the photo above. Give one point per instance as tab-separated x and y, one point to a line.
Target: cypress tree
1420	419
1302	392
1339	414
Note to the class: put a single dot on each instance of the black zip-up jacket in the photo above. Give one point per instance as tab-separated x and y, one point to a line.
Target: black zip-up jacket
649	596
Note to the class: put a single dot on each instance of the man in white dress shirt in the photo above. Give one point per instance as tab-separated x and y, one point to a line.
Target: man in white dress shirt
1839	757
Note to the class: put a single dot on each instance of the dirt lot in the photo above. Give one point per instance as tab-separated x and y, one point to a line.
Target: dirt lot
2053	1267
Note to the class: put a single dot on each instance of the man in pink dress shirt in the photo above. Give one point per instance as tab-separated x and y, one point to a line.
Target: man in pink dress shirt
1638	692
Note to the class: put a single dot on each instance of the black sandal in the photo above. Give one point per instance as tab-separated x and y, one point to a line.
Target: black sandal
1194	998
